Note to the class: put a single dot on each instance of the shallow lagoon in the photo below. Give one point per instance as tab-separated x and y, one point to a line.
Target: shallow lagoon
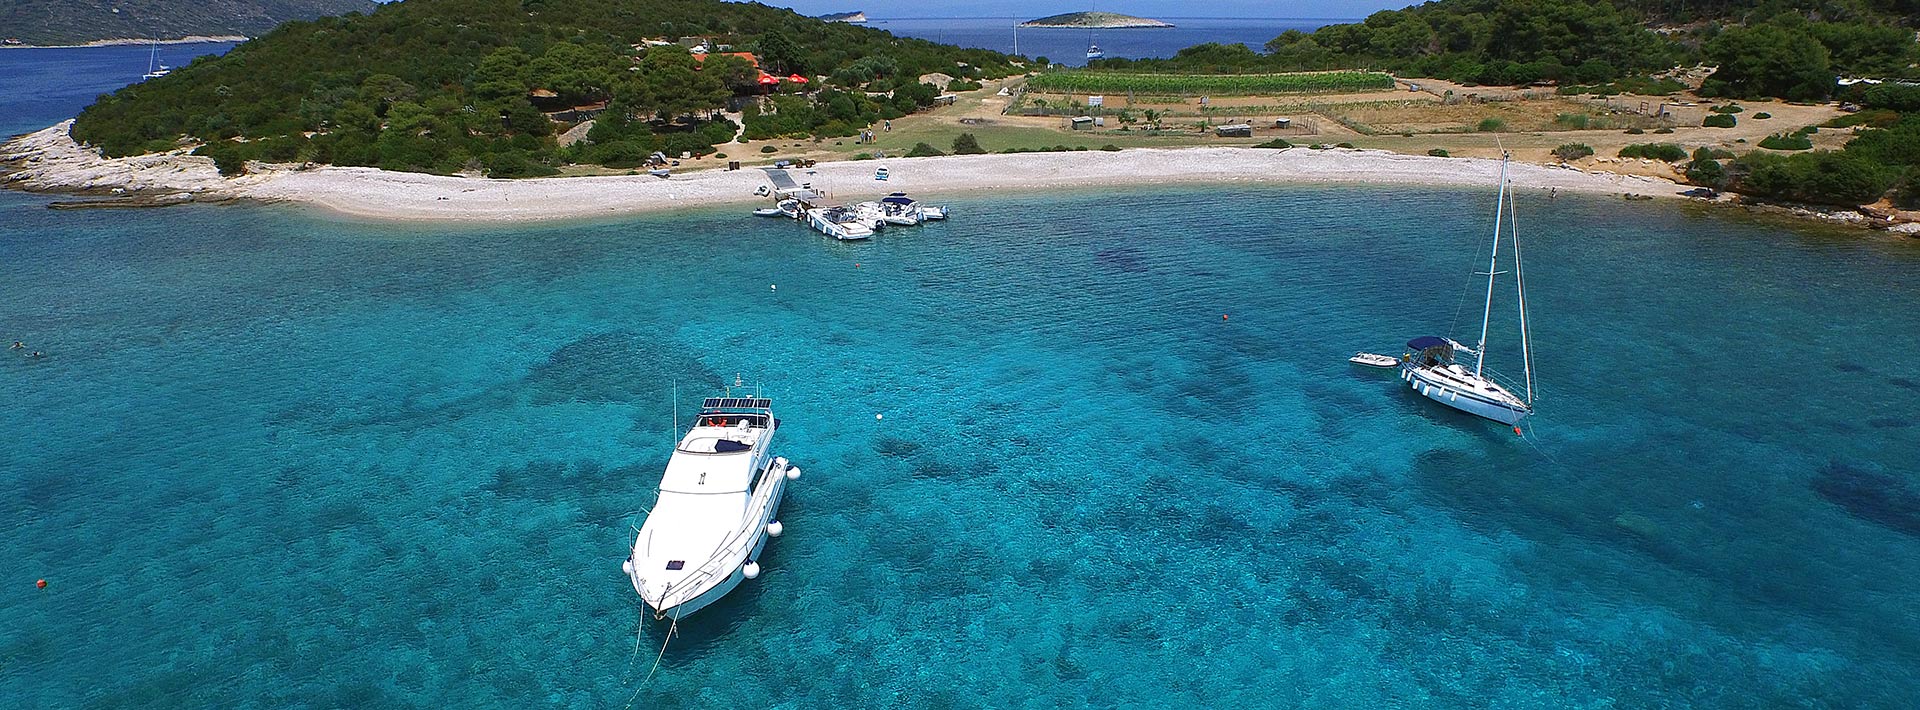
276	459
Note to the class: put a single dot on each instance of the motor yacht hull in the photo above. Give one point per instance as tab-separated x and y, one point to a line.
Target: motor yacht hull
720	590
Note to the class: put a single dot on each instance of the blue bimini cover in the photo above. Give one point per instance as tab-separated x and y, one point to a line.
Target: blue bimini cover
1426	341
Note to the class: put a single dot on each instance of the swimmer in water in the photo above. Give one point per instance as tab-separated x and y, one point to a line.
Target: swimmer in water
17	345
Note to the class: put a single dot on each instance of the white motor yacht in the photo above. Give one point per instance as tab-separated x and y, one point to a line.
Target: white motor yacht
836	222
718	498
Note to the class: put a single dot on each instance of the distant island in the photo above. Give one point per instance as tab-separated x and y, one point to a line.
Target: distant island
1096	20
69	22
856	17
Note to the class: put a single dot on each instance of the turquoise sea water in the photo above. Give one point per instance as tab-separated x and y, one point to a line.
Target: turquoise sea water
276	459
279	460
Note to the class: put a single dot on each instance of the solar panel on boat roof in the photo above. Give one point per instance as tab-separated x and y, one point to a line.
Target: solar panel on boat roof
763	403
711	402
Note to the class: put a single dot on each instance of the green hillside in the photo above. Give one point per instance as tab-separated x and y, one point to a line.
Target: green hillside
453	85
50	22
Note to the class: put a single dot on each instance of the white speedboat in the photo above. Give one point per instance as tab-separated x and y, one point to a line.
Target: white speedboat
1373	360
1429	365
900	209
769	212
837	223
718	498
870	214
933	212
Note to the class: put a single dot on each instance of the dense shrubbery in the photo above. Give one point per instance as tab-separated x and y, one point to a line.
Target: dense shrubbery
446	85
1720	120
1762	48
1439	153
966	144
922	150
1786	141
1828	177
1275	143
1572	151
1667	152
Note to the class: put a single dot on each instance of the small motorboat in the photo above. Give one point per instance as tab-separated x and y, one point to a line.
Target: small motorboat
769	212
1374	360
933	212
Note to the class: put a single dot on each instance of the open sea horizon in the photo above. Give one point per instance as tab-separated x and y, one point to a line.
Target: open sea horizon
278	459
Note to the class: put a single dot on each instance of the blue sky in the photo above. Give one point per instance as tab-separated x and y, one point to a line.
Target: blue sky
1143	8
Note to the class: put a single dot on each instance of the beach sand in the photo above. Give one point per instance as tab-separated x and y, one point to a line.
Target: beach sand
50	161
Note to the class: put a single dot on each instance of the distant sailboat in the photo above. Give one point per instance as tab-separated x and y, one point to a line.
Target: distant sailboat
1429	366
1093	48
155	69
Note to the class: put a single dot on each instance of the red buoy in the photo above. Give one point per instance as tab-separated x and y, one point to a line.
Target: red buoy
1223	316
1516	431
41	584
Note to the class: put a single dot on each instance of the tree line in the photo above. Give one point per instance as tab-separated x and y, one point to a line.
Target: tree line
458	85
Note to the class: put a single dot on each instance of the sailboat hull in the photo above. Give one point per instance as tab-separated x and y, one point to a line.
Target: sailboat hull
1464	399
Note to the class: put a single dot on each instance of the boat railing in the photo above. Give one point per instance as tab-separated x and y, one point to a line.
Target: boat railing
741	542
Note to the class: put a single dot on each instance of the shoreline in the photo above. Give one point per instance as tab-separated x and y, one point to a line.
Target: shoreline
50	161
194	39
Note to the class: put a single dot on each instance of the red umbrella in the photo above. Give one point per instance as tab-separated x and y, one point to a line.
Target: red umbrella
797	79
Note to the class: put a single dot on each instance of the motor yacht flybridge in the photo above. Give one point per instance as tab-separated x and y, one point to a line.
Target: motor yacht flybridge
716	510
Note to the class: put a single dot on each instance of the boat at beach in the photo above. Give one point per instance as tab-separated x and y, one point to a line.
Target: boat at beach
933	212
718	498
1374	360
870	214
900	209
836	222
1430	367
788	208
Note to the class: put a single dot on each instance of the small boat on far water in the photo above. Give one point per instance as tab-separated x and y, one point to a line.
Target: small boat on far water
1373	360
1429	366
715	513
1093	52
155	69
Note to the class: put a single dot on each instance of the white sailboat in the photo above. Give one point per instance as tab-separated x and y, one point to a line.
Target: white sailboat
1430	368
716	509
155	69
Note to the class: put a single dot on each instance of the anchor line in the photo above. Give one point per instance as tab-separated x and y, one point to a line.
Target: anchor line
672	629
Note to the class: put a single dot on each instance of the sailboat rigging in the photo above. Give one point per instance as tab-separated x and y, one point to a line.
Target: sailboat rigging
1429	366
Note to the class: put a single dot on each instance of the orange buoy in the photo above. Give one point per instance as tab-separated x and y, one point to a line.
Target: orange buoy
1223	316
41	584
1516	431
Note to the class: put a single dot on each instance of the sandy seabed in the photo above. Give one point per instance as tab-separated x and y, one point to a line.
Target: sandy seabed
50	160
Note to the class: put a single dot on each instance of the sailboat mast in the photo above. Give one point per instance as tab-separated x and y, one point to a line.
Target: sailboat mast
1520	285
1493	261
